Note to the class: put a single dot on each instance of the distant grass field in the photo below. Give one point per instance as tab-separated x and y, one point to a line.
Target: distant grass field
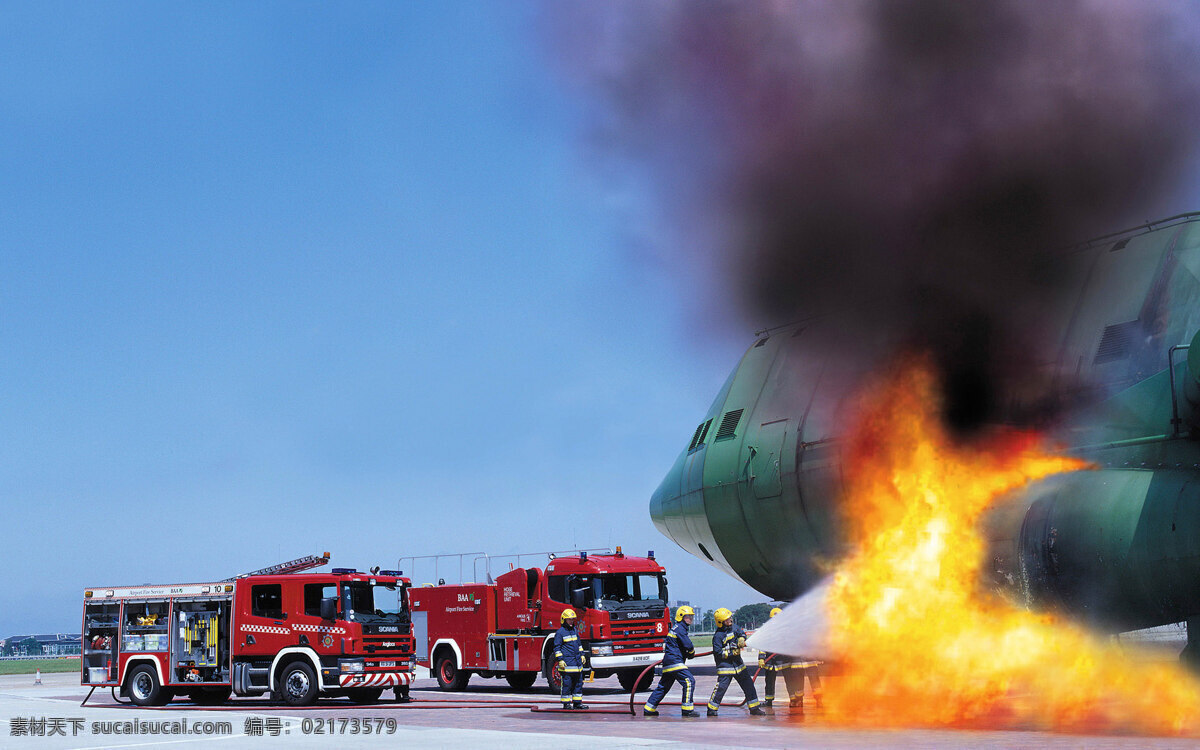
29	666
702	641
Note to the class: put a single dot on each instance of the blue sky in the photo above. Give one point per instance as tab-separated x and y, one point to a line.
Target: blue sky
284	278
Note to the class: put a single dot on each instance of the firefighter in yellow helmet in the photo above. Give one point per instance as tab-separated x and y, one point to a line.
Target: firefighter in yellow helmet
571	658
728	642
793	670
677	649
772	665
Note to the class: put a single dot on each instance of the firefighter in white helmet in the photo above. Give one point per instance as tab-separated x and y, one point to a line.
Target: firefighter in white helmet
571	658
677	649
793	670
728	642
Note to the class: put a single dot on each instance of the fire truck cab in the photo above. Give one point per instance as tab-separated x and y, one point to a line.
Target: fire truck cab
506	628
293	635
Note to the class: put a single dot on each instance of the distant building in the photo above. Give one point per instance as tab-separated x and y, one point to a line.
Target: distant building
41	644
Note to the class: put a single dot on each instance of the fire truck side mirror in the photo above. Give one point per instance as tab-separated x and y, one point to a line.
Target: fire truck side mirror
329	608
577	598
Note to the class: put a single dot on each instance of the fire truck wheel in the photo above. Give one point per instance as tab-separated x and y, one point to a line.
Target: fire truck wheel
298	684
627	677
364	695
209	696
144	688
550	672
521	680
449	676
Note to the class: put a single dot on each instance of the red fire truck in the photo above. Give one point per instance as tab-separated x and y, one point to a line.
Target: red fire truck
277	630
506	629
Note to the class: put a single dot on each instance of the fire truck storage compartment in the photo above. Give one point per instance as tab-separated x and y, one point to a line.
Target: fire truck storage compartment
508	653
101	628
516	595
201	640
420	630
145	626
472	606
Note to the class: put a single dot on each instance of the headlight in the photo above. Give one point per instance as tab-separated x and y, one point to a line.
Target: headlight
602	650
352	666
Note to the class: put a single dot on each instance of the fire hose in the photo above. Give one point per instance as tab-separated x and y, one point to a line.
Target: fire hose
446	704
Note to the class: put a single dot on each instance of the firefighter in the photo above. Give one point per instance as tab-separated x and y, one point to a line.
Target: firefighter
728	642
677	649
802	668
572	660
772	665
793	671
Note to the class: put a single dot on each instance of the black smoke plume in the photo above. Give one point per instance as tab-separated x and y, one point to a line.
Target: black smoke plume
907	169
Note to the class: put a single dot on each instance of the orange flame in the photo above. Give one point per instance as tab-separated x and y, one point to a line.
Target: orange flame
921	644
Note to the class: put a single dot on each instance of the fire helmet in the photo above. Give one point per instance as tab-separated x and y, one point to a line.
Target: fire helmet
775	611
722	615
683	612
568	614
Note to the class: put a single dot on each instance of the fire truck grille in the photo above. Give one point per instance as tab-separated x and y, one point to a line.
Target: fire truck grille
633	637
388	646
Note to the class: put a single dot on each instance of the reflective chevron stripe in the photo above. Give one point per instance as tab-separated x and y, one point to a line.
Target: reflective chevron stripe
385	679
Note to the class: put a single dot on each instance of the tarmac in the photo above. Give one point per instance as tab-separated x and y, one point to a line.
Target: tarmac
49	716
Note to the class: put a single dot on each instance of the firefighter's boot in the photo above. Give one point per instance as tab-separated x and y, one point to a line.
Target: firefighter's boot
768	708
579	706
711	713
756	711
797	701
647	711
690	715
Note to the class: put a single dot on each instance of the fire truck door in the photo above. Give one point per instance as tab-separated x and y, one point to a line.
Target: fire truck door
264	629
308	629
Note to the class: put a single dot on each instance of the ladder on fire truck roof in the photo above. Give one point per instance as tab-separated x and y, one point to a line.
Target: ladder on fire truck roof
475	557
307	562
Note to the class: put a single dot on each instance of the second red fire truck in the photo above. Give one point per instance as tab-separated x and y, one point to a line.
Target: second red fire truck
506	629
290	634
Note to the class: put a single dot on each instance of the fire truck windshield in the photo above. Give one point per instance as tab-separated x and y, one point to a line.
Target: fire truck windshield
619	588
363	602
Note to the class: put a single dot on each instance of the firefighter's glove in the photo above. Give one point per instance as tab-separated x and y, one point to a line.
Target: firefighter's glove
762	663
741	643
562	665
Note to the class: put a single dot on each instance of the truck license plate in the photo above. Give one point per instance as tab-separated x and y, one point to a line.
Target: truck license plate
387	663
642	658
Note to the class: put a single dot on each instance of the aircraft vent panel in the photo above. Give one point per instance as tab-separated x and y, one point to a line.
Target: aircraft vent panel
699	436
729	424
1116	343
760	342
